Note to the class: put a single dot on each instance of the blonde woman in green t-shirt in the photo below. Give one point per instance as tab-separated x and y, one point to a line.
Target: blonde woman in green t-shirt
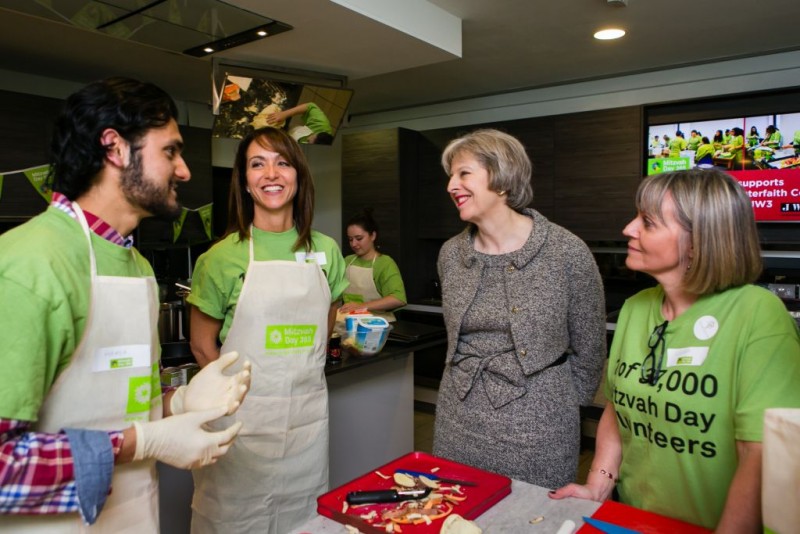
695	361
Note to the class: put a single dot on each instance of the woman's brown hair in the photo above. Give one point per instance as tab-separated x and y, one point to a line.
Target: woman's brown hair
241	209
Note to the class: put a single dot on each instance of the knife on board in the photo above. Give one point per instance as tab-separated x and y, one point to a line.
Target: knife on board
609	528
433	476
381	496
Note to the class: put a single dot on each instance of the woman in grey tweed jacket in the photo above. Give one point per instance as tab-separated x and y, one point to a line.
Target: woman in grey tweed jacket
524	310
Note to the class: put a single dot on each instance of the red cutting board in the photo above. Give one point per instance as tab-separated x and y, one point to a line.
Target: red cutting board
491	489
637	519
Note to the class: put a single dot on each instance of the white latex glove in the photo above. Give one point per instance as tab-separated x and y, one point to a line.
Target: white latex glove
211	388
182	442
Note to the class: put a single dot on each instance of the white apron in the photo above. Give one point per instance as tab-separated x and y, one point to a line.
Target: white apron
111	381
362	283
270	478
781	470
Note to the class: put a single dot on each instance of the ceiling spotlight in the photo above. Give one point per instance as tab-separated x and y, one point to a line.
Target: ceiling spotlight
611	33
272	28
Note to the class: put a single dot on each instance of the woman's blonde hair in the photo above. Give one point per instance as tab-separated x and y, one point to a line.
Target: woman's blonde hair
720	226
504	157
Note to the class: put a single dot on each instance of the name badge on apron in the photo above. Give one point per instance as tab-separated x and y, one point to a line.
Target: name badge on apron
311	257
121	357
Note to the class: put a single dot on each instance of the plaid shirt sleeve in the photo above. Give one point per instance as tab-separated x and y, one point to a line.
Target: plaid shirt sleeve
36	470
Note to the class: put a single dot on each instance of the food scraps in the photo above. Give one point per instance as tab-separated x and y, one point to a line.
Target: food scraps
435	506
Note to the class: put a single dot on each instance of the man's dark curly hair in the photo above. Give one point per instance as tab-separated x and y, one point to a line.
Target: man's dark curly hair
128	106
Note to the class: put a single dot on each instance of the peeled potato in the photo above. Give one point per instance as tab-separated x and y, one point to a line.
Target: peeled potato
401	479
455	524
429	482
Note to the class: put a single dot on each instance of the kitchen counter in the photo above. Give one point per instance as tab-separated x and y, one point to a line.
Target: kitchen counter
391	350
512	514
371	415
371	405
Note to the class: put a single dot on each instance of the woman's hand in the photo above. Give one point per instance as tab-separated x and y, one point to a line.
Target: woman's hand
353	306
276	117
598	488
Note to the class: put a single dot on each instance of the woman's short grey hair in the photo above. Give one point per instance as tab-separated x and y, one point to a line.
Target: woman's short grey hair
720	226
504	157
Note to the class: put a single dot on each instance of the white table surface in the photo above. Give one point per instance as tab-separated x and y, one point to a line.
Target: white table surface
511	515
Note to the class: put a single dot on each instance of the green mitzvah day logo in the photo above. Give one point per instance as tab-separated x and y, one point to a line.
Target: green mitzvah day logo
290	336
139	393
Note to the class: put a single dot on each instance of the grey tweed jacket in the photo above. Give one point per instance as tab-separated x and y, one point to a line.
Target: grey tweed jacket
555	298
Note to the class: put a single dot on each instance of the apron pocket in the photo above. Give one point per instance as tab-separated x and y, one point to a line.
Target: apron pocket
265	425
308	422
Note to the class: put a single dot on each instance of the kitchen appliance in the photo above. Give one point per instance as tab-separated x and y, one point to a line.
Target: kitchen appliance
173	318
170	322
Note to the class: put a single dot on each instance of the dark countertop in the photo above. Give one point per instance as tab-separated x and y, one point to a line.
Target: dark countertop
175	354
391	350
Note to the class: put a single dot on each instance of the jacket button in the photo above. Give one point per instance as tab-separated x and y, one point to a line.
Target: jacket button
511	268
514	309
523	352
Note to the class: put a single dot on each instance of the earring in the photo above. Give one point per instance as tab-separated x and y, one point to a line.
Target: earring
501	193
248	190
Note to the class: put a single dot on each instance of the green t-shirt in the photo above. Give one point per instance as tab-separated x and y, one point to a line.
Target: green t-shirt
675	146
385	274
219	273
703	151
775	140
45	283
693	142
737	141
316	119
728	357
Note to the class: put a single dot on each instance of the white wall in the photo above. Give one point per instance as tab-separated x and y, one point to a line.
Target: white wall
727	77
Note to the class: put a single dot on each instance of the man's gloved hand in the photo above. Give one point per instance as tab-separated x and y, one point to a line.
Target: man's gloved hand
211	388
181	441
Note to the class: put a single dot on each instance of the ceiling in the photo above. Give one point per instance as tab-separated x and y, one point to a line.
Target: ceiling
506	45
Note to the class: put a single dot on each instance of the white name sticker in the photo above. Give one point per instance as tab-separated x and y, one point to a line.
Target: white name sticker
121	357
687	356
311	257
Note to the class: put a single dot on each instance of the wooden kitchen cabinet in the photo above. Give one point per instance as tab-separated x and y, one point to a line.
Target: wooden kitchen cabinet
379	171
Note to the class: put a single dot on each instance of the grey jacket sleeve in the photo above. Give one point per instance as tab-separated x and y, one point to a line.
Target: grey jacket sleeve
587	325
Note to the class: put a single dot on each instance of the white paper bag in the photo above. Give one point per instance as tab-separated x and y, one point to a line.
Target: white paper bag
780	494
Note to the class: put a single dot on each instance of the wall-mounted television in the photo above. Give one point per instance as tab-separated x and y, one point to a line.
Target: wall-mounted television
757	142
312	114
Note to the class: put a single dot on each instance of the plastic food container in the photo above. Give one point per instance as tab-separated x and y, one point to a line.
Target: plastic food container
369	337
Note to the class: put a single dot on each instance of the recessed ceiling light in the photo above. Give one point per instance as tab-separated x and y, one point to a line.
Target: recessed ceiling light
611	33
272	28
